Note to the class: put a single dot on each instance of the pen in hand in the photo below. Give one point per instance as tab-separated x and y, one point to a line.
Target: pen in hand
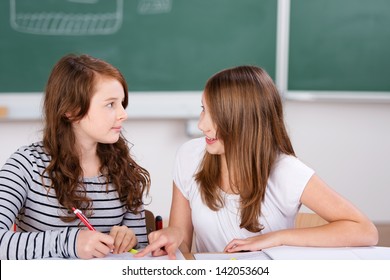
82	218
86	222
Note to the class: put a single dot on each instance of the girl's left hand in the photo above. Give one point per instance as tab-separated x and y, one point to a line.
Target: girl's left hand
254	243
124	239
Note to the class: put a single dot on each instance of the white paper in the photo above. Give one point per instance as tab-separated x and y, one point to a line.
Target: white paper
127	256
258	255
372	253
130	256
304	253
325	253
309	253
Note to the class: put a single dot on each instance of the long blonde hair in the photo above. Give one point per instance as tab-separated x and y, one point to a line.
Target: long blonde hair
246	108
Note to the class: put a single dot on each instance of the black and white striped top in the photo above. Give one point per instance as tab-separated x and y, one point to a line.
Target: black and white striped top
40	231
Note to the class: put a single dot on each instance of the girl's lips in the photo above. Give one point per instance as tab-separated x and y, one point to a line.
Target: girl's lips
211	140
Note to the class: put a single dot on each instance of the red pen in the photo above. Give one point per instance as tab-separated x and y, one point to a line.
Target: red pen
84	219
159	222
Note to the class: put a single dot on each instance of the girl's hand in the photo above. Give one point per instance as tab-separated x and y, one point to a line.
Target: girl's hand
93	244
255	243
124	239
163	242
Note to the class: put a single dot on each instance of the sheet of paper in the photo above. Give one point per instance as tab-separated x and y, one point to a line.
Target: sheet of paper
259	255
310	253
305	253
130	256
372	253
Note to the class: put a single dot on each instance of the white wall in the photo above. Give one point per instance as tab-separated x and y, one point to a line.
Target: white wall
348	144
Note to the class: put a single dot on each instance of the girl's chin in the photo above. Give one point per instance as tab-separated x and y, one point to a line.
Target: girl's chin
214	151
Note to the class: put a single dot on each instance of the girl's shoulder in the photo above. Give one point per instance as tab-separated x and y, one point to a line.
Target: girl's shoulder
36	147
288	170
285	161
33	147
33	152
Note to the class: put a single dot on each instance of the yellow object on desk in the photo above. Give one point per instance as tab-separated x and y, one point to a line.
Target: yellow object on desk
133	251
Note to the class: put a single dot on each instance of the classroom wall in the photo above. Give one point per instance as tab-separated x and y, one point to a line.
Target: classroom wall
347	143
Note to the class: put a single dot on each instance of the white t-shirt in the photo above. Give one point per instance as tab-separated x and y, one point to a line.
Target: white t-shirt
215	229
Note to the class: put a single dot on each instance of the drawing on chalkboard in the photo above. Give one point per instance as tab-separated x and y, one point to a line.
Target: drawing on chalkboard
66	17
147	7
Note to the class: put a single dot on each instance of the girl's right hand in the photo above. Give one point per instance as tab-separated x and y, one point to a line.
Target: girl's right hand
163	242
93	244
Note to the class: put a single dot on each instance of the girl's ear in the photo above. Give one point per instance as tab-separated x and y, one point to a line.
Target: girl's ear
69	116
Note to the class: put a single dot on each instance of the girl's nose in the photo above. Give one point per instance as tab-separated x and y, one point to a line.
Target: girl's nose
122	114
201	124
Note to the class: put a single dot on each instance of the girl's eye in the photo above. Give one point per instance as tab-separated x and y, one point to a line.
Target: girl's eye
202	108
110	105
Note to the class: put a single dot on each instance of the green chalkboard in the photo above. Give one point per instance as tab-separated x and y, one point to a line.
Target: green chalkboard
159	45
339	45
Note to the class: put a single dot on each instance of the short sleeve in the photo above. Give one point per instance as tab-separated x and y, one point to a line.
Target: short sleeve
288	180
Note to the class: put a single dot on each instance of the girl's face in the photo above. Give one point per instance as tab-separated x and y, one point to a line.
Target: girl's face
103	122
207	126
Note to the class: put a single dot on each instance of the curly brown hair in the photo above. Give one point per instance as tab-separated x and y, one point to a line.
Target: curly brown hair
70	88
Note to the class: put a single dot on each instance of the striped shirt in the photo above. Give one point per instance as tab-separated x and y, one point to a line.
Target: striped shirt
36	211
